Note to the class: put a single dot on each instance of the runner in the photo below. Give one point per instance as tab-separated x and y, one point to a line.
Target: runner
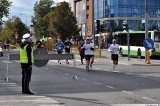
92	56
114	54
88	52
59	46
67	46
81	51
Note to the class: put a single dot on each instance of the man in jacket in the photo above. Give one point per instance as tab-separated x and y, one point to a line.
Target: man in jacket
26	60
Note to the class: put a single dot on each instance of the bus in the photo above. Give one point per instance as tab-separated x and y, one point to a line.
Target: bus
136	43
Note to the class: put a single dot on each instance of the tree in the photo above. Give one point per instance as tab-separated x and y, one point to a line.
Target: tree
63	22
40	20
4	9
12	26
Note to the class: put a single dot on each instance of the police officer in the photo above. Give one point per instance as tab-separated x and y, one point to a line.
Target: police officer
26	60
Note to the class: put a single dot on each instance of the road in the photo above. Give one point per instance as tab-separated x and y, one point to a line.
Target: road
54	84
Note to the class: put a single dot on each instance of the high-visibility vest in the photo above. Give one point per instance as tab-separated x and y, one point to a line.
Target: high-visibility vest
23	55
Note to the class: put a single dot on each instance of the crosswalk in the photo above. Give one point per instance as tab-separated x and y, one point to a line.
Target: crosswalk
10	95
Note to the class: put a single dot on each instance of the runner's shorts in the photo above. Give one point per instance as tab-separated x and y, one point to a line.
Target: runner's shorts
67	50
114	57
88	57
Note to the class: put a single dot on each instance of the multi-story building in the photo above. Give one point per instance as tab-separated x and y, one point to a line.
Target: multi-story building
83	10
113	13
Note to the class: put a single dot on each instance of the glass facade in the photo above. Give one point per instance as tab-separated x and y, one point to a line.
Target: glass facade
127	8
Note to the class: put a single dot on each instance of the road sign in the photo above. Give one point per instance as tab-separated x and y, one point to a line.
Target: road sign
40	52
148	43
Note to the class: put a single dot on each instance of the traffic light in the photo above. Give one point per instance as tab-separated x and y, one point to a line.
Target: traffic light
98	26
125	26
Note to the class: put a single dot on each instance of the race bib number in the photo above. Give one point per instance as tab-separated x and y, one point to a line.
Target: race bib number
115	51
67	46
59	47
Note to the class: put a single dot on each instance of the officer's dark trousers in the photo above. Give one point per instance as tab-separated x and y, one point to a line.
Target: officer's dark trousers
26	76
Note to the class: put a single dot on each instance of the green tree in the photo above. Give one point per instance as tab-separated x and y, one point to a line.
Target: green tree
12	26
40	20
4	9
63	22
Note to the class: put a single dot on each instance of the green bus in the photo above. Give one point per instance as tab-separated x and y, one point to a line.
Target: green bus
136	43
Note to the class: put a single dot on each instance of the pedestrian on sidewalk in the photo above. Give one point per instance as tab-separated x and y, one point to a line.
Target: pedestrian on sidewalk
88	52
26	60
114	54
59	46
67	46
81	50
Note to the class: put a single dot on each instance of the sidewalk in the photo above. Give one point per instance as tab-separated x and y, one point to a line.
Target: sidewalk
10	95
133	61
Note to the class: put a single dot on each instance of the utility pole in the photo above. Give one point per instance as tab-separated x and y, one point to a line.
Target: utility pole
146	25
93	23
126	28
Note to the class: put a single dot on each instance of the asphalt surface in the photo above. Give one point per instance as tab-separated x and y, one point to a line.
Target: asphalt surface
54	84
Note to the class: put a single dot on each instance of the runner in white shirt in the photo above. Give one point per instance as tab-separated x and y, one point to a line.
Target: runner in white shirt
92	56
88	52
114	48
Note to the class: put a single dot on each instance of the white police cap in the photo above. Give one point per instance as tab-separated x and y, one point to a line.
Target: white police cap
27	35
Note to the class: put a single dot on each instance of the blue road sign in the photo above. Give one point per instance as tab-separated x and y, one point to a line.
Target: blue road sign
148	43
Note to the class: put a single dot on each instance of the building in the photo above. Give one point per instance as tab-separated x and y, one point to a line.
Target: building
114	13
83	10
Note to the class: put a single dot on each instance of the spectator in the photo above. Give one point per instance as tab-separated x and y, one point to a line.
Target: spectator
42	44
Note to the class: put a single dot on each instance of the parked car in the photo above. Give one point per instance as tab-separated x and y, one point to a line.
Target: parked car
1	51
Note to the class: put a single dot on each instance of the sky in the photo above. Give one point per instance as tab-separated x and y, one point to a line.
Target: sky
24	9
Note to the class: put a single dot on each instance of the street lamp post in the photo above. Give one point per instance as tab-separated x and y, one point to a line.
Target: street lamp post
146	25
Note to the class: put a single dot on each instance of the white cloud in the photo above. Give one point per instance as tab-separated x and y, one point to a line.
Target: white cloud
24	7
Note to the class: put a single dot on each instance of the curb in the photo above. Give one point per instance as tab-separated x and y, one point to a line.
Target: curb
146	64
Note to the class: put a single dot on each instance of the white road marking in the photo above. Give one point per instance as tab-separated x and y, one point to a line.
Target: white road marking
110	87
47	68
97	83
59	72
148	99
84	79
66	74
7	61
127	92
17	61
128	73
97	68
107	69
8	83
144	76
42	101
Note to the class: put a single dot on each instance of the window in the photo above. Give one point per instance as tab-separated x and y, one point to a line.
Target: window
157	36
87	7
87	16
88	29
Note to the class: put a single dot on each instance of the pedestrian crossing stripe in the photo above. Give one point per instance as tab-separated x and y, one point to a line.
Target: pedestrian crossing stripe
7	61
